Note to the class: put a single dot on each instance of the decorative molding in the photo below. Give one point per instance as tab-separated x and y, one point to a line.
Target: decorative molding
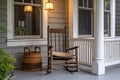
26	42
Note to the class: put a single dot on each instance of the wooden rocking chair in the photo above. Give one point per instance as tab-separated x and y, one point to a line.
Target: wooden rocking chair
57	42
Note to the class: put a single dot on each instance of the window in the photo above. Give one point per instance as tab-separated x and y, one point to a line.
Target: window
27	21
85	25
27	17
107	17
86	17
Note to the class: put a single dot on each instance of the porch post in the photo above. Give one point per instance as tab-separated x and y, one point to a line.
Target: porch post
113	14
98	66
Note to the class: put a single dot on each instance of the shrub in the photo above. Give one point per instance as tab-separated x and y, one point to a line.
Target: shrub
6	64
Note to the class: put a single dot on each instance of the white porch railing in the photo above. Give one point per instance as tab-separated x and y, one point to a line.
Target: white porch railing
85	51
112	51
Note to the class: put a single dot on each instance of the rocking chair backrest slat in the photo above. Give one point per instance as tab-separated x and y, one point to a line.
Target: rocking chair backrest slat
57	38
59	41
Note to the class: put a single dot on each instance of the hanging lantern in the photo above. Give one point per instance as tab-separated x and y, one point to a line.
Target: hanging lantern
49	6
28	9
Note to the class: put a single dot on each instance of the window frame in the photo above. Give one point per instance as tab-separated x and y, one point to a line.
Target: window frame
11	39
29	36
73	18
92	23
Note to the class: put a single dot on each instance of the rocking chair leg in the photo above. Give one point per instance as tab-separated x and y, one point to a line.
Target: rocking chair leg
49	70
50	66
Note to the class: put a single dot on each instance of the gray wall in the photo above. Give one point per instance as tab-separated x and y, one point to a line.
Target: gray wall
57	18
117	17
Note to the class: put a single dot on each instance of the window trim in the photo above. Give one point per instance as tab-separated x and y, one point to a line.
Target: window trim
11	41
26	42
29	36
109	25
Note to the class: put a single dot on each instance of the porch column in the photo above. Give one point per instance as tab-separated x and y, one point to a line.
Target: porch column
113	14
98	66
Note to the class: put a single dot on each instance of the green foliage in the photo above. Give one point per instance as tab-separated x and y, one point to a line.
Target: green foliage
19	31
107	2
6	64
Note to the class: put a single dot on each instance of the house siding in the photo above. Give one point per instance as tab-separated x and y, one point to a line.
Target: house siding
3	21
117	17
57	18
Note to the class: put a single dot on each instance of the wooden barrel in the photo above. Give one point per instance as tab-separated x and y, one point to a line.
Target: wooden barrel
32	61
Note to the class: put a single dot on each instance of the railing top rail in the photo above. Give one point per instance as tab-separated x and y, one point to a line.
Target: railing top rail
81	38
92	38
112	39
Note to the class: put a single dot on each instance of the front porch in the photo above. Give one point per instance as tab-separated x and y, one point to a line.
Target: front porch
61	74
96	48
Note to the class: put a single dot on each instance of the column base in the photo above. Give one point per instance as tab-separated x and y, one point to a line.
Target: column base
98	67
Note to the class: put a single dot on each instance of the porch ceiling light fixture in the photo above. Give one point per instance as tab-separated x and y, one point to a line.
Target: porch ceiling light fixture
49	6
28	9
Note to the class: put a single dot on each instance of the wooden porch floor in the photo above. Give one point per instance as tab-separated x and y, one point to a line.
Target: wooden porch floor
61	74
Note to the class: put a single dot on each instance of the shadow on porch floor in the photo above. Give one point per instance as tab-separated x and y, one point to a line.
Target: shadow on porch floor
61	74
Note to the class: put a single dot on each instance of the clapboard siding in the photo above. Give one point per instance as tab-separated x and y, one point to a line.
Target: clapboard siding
56	20
57	25
59	16
117	17
3	21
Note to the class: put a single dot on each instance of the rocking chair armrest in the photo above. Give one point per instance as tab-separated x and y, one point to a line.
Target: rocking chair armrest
50	47
72	48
